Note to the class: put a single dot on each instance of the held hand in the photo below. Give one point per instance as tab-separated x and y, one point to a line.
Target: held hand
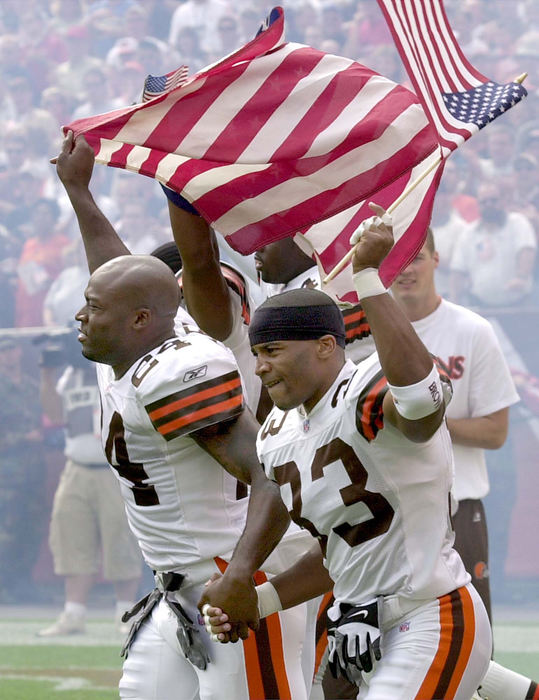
238	599
216	623
373	239
75	162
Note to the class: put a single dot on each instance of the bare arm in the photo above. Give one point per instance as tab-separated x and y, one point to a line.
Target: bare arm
403	357
306	579
233	445
74	166
205	289
524	269
488	432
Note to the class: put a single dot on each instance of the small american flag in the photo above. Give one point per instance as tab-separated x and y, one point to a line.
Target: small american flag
156	85
458	99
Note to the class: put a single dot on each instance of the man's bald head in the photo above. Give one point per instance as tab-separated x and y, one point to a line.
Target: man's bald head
141	281
131	304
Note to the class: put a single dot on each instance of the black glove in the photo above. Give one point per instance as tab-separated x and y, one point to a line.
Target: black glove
353	639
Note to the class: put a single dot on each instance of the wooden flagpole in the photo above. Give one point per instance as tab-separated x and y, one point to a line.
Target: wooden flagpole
344	261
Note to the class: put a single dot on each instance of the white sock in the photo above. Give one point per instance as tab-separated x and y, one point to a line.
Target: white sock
75	609
500	683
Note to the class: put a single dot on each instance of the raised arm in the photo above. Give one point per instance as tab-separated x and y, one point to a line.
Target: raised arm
205	290
404	359
74	166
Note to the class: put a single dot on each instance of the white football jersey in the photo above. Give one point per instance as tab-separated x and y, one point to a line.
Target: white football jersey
378	502
180	502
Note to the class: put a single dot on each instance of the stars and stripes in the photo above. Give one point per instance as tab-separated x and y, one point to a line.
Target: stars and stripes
271	139
279	139
458	99
156	85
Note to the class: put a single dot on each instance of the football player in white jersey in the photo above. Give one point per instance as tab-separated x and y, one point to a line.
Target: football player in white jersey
363	458
178	436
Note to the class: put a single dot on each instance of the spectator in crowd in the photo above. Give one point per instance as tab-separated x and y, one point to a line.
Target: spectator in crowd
97	95
500	151
69	75
40	263
23	510
493	261
202	16
448	226
139	229
88	516
136	30
187	45
106	19
58	103
41	41
228	32
65	14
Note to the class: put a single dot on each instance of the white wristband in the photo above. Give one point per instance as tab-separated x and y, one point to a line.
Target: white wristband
421	399
268	599
367	283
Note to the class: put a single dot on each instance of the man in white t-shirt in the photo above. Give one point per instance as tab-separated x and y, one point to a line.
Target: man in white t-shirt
466	349
494	258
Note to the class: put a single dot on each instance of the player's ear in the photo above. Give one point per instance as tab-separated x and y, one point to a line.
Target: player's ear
142	318
326	346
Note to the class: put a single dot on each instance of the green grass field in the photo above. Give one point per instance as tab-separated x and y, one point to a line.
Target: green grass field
88	667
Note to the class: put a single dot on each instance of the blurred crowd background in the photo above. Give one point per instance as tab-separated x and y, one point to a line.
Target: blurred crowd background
65	59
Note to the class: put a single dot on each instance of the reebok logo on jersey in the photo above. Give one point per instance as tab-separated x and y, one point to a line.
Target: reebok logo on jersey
195	373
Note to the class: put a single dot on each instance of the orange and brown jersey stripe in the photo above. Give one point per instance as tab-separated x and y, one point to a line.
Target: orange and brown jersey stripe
321	638
206	403
369	415
267	681
457	633
356	325
533	691
236	282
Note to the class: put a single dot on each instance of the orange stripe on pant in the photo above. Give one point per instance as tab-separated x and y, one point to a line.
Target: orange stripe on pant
457	632
264	657
321	629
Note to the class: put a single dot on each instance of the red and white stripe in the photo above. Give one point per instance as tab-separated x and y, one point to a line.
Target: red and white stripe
328	241
271	140
434	62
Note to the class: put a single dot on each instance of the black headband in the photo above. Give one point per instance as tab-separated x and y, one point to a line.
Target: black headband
300	314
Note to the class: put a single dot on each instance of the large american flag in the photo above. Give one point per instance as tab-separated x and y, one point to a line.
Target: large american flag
270	140
281	139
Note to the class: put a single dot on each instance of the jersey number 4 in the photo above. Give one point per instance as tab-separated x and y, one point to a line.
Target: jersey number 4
355	492
144	494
